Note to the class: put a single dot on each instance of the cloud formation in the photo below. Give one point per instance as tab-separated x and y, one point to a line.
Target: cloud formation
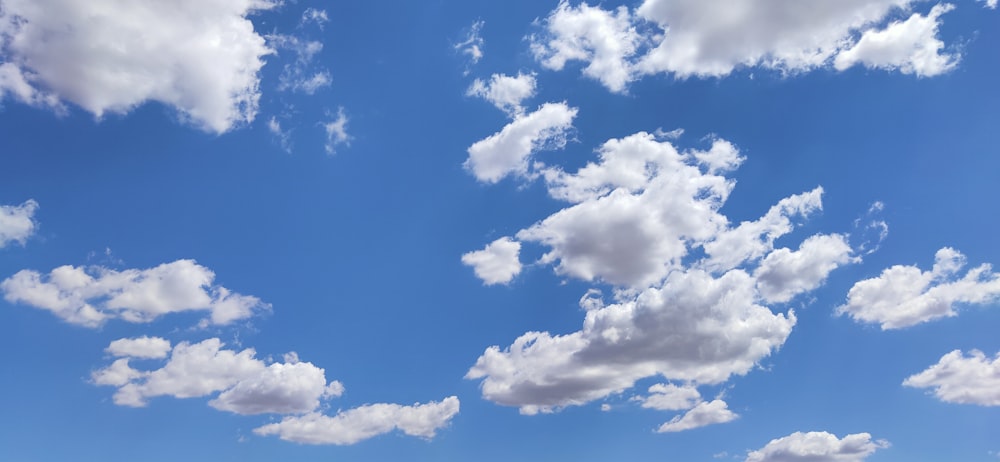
17	222
957	378
705	413
637	219
904	296
504	91
361	423
818	447
497	263
693	38
247	384
509	151
107	56
89	296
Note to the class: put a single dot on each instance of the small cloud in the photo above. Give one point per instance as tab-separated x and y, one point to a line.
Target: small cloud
472	45
313	15
497	263
336	132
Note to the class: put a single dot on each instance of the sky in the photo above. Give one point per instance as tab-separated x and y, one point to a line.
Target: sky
657	230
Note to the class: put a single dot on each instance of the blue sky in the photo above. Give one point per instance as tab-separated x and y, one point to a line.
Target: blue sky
650	230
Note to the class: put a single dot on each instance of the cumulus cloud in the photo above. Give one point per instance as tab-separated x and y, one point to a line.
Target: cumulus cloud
497	263
336	132
991	4
504	91
604	39
670	397
361	423
903	296
142	347
17	222
89	296
715	37
783	274
509	150
818	447
247	384
108	56
957	378
910	46
705	413
636	220
695	327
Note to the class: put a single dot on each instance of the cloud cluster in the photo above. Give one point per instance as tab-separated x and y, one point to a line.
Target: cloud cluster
957	378
17	222
89	296
904	296
508	151
243	384
645	219
818	447
108	56
713	38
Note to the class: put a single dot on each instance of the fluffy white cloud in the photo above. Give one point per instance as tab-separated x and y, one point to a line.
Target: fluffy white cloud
903	296
712	38
361	423
991	4
509	150
695	328
201	58
497	263
783	274
604	39
705	413
910	46
141	347
670	397
90	296
505	92
957	378
817	447
635	219
636	211
247	384
336	132
17	222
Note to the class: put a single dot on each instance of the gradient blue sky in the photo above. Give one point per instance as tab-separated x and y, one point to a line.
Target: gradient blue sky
370	230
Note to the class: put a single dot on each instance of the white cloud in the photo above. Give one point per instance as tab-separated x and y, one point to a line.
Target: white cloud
712	38
705	413
911	46
361	423
201	58
817	447
17	222
497	263
991	4
315	16
505	92
695	328
336	132
636	218
783	274
247	384
957	378
604	39
92	295
284	136
141	347
509	150
472	46
14	82
299	75
903	296
670	397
